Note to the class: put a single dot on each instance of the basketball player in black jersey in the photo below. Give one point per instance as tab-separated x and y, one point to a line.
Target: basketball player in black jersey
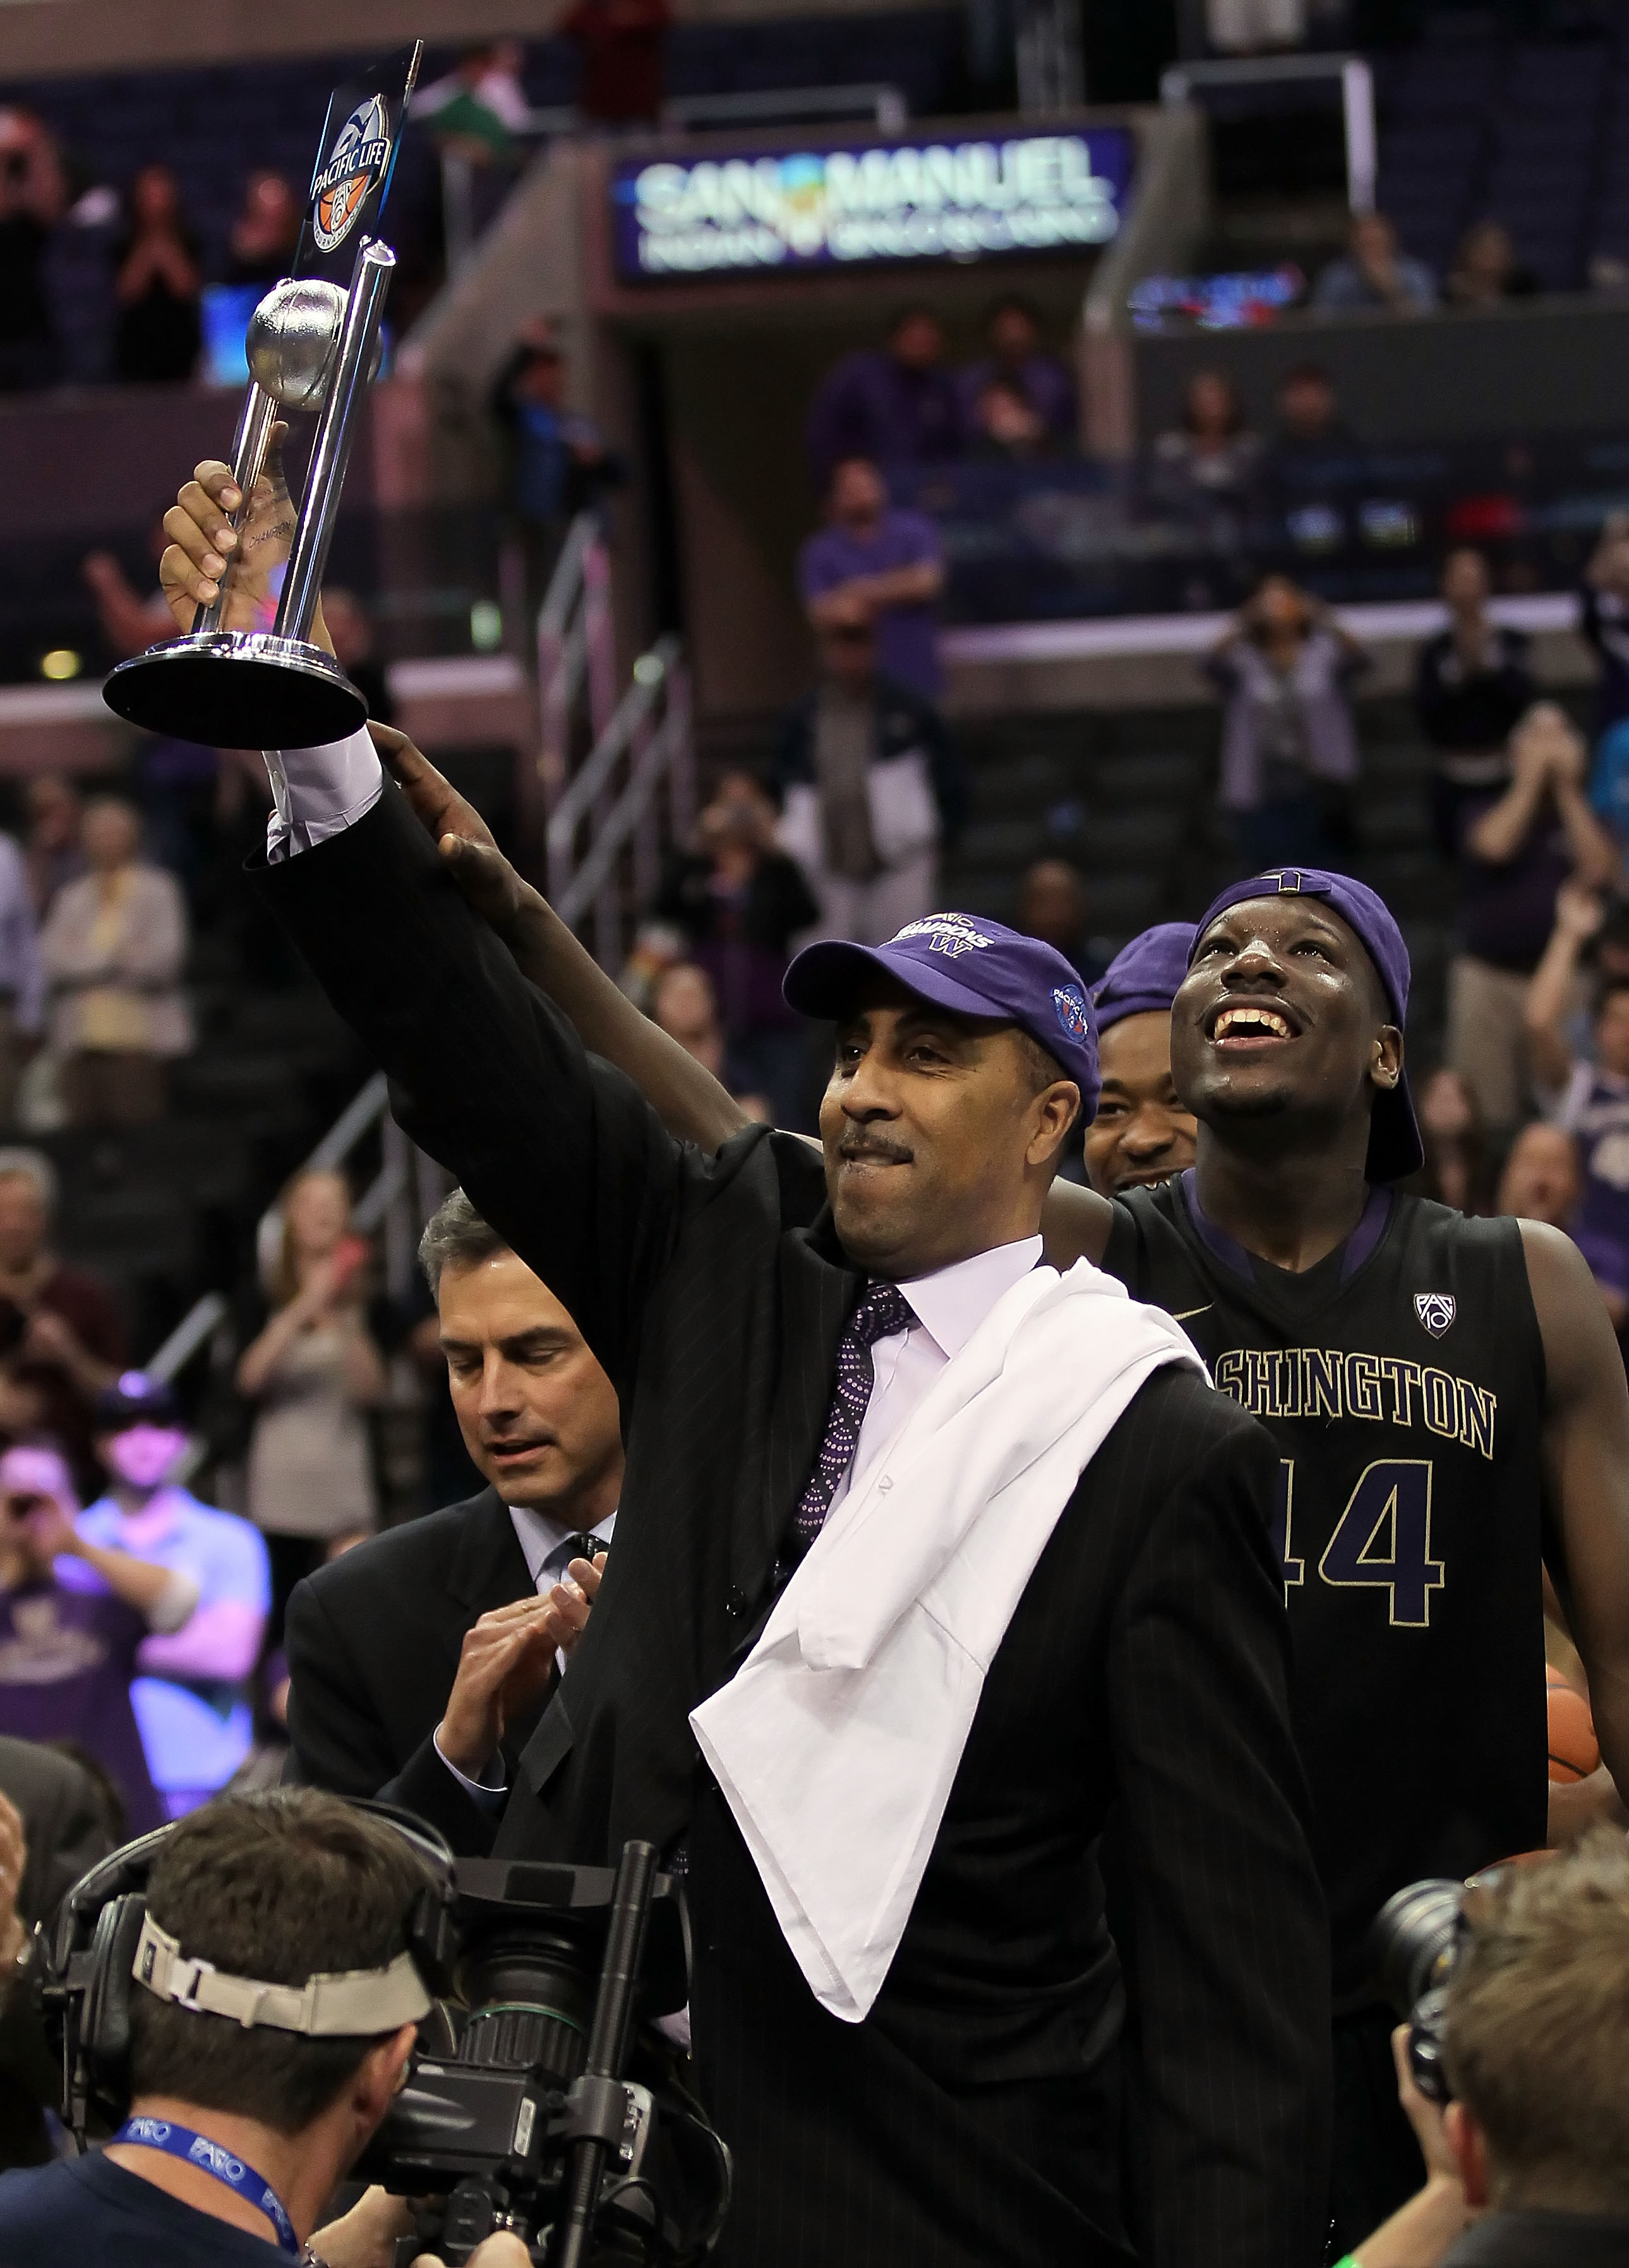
1448	1395
1141	1134
1451	1410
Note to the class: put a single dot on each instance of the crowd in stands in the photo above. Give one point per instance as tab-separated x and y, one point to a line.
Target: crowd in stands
161	1664
1375	273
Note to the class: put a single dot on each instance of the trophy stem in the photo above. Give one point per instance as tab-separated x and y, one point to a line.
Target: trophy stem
353	360
249	447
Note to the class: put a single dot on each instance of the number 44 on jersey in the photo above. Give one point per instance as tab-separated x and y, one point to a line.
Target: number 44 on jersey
1382	1540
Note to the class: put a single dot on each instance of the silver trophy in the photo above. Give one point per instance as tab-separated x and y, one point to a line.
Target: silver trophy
312	344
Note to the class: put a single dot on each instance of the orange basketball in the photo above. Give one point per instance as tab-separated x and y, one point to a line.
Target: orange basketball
1574	1751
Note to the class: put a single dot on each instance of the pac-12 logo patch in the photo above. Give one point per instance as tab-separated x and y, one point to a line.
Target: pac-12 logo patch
1436	1310
1073	1013
359	158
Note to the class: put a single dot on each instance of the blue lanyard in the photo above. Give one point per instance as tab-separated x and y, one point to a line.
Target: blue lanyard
198	2150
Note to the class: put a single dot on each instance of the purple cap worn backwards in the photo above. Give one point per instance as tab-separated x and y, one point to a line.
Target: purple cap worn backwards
1394	1146
973	967
1142	978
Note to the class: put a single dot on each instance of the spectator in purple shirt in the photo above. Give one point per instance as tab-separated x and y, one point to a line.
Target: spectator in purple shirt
900	407
72	1616
874	566
1017	359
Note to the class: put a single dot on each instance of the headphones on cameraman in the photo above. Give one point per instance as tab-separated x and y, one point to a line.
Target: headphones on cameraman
103	1926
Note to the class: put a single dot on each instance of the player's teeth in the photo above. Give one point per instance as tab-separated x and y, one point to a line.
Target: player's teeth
1251	1019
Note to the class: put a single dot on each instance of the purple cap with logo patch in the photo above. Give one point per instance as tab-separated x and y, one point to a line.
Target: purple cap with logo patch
1142	978
973	967
1394	1146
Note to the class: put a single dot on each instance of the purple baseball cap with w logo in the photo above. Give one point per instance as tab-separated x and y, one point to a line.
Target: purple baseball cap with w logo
974	967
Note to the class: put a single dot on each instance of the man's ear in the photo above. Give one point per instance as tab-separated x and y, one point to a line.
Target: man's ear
1386	1067
1057	1107
381	2074
1469	2145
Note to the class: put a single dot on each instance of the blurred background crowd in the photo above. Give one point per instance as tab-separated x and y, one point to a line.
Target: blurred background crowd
1288	523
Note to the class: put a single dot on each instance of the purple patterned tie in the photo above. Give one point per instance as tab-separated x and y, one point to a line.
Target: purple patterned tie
883	1310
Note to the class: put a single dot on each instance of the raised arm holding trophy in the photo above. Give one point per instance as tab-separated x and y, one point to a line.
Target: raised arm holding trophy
314	345
889	1727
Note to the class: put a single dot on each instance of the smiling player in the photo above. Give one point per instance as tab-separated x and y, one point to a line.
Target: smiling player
1450	1408
1141	1134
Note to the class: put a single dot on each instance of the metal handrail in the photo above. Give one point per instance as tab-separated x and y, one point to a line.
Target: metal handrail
369	1107
190	1335
574	641
359	1114
653	763
564	584
649	671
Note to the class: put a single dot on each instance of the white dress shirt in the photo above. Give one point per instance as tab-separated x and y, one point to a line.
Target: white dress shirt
320	792
542	1541
949	1307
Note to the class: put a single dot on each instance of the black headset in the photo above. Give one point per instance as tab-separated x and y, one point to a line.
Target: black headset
89	1954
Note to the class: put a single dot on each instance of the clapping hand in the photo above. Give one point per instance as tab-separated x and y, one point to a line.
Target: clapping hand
52	1338
1579	912
504	1666
49	1524
572	1599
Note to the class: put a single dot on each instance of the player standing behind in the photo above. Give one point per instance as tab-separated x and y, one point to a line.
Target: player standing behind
1141	1133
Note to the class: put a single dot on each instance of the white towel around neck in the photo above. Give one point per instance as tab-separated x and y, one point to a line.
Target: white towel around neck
837	1743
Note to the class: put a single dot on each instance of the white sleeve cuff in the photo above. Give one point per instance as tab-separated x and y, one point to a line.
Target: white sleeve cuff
316	792
487	1795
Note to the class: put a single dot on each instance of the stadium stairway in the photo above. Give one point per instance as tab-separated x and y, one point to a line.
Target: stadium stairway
1128	797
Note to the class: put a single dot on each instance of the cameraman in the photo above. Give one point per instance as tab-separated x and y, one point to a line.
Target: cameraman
278	1887
1528	2165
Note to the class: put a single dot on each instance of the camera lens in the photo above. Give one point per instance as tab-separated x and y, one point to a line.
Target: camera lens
1412	1941
531	1994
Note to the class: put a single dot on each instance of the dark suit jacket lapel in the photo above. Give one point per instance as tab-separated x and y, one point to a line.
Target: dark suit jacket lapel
489	1568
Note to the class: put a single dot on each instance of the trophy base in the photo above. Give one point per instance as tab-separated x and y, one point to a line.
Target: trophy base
238	690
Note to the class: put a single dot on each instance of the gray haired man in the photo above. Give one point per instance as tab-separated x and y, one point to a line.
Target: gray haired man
419	1661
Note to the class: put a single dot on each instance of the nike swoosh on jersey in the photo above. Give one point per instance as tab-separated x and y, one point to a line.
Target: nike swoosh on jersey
1188	1313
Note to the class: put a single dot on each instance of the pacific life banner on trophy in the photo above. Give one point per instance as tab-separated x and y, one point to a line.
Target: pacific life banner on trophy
760	211
355	160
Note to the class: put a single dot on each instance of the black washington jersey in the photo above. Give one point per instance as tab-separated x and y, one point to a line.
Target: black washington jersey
1403	1380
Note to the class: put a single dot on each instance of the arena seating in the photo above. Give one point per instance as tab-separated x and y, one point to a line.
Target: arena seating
167	1212
1526	132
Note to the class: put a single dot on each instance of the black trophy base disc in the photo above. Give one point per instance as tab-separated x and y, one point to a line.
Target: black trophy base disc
238	690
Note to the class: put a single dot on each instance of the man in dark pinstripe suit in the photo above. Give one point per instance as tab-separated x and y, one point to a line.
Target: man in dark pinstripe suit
975	2114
